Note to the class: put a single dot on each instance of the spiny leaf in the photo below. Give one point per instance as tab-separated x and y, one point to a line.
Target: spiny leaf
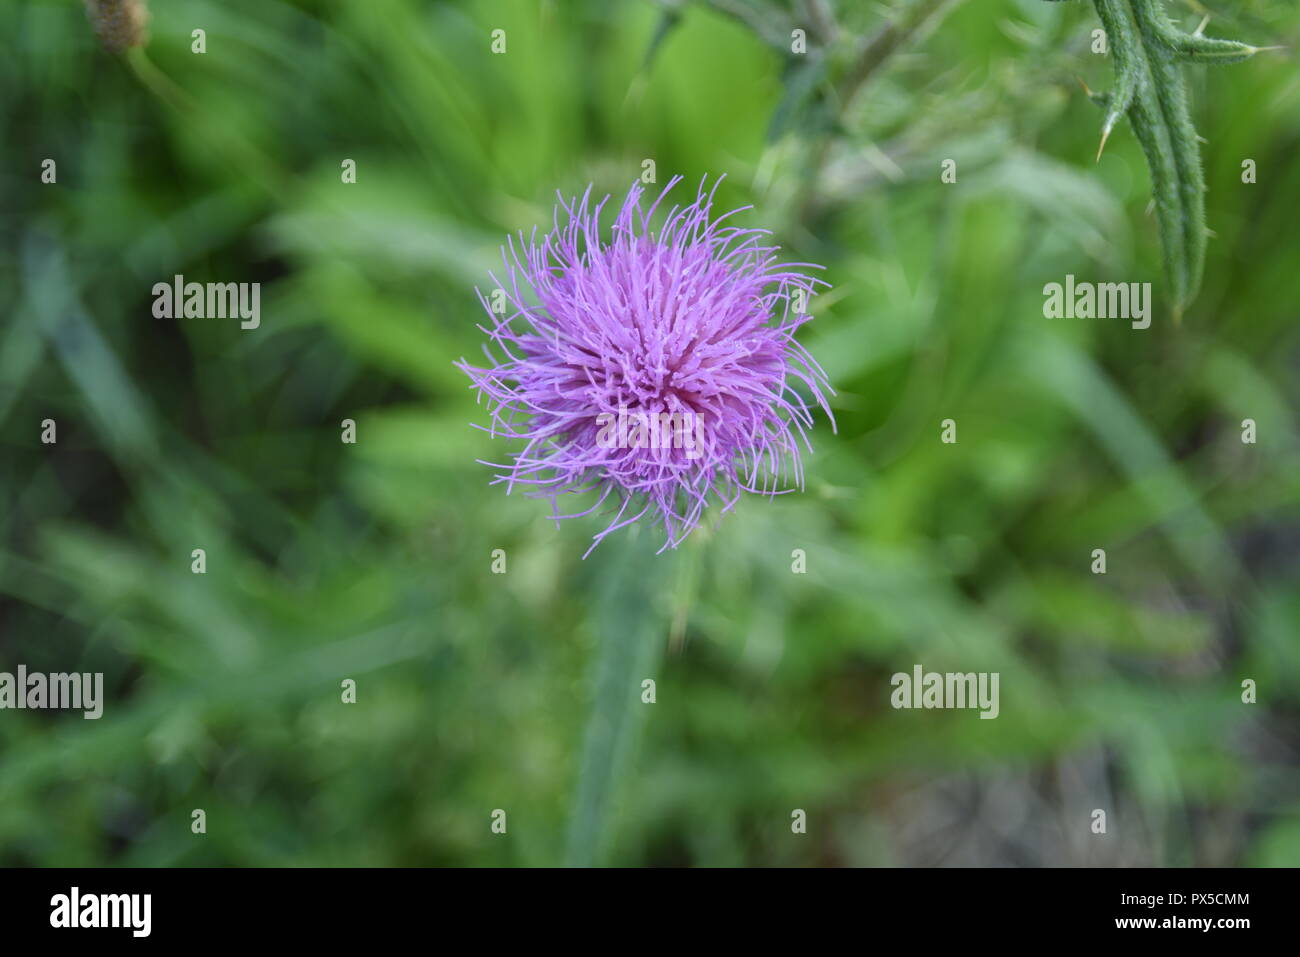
1146	49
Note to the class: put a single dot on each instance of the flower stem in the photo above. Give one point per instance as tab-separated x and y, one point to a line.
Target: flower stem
629	625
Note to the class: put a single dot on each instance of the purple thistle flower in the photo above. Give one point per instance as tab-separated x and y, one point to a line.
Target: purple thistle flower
655	367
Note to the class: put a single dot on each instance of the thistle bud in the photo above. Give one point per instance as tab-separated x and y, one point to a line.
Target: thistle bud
119	24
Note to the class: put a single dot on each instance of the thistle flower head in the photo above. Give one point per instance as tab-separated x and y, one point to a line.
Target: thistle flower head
655	368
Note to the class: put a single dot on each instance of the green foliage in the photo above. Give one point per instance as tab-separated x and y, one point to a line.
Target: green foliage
372	561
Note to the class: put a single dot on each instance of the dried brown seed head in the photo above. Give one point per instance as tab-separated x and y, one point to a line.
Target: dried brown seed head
119	24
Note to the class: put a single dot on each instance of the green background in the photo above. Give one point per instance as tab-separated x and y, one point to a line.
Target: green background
522	691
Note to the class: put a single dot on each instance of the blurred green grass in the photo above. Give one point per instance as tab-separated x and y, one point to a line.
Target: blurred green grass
372	561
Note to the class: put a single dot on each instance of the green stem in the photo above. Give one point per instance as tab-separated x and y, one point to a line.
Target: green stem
629	626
